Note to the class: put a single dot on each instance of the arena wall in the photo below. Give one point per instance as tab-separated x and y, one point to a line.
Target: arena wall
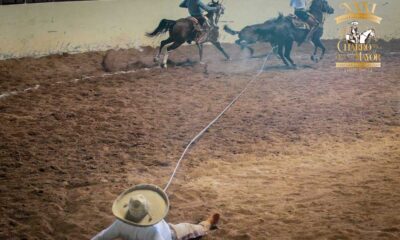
48	28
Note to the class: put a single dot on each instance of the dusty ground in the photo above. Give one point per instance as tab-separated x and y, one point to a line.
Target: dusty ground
311	153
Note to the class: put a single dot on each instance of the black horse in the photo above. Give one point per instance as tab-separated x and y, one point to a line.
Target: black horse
183	30
282	32
252	34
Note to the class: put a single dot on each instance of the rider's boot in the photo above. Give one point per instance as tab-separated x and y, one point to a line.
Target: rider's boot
203	33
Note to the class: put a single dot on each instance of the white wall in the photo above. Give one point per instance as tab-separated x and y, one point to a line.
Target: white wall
40	29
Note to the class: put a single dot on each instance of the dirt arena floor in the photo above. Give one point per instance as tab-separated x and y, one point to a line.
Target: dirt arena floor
312	153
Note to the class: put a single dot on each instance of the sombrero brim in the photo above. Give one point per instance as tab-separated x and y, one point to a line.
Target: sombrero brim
157	200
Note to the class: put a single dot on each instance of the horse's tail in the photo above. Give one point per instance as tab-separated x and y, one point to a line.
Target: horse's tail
164	26
230	30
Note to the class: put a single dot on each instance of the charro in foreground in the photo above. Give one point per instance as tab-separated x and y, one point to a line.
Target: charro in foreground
140	213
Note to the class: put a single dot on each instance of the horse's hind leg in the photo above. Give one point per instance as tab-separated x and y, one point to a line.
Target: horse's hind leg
251	51
167	50
288	51
162	45
280	52
200	47
221	49
244	45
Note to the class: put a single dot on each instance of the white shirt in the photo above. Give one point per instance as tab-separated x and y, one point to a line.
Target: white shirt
119	229
298	4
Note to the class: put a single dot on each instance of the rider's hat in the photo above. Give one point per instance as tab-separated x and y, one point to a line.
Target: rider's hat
354	23
142	205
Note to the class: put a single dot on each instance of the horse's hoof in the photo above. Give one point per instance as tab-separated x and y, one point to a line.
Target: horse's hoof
164	66
156	59
202	63
314	59
228	59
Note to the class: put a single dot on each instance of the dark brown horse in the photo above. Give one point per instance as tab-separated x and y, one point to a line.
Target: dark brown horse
183	30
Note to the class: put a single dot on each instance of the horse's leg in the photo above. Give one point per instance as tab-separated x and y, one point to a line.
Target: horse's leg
164	52
313	58
318	44
244	45
162	45
167	50
280	53
239	43
251	51
288	51
221	49
200	47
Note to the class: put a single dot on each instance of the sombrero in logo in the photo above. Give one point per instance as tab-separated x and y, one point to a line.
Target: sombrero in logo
142	205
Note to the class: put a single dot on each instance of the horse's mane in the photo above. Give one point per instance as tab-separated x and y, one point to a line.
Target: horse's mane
277	19
312	3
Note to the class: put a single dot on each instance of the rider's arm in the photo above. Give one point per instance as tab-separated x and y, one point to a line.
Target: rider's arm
184	4
112	232
207	8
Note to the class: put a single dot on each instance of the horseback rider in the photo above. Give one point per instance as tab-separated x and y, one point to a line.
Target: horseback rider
196	9
355	36
301	12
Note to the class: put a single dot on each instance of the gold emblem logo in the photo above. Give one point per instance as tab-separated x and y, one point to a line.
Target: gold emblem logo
357	47
360	11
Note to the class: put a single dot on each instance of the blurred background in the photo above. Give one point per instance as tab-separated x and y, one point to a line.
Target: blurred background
36	29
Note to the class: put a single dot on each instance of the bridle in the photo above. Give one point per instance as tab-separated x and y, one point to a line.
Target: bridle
220	10
322	8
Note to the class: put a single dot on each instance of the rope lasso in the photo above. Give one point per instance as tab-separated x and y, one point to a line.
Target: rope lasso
215	120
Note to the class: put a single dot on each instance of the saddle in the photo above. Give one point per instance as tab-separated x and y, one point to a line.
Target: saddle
200	34
298	23
196	23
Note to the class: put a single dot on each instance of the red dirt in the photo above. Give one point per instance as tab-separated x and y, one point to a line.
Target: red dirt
311	153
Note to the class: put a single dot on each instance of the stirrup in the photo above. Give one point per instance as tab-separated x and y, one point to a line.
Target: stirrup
202	39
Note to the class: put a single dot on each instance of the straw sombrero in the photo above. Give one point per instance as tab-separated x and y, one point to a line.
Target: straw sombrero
142	205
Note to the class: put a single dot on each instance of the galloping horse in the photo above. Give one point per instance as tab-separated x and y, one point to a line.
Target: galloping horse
282	32
250	35
365	37
183	30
